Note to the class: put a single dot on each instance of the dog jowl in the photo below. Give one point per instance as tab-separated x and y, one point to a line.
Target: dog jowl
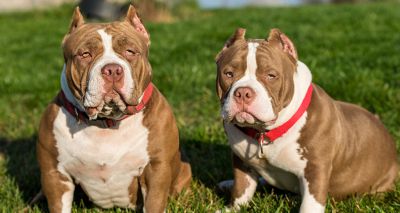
287	130
109	129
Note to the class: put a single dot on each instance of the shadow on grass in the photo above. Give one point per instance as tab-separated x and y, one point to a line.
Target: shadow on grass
23	168
21	165
211	163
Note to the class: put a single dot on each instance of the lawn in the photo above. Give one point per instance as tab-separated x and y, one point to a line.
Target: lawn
352	50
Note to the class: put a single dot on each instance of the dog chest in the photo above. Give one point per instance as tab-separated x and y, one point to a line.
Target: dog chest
280	163
103	161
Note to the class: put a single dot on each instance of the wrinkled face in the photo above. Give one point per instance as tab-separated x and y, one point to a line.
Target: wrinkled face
106	67
254	82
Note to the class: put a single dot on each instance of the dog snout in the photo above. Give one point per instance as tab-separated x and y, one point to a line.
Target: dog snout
112	72
244	95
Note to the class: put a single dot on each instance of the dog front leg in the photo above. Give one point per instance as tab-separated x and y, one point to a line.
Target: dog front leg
158	178
314	193
58	191
244	183
57	188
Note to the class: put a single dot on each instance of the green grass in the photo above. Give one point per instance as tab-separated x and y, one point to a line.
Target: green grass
352	50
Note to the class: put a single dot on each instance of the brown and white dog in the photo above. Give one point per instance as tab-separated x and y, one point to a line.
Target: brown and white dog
109	129
284	128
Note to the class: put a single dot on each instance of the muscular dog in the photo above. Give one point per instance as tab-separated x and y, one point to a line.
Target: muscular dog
109	129
289	131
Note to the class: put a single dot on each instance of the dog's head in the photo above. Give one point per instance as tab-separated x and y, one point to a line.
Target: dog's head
255	78
106	65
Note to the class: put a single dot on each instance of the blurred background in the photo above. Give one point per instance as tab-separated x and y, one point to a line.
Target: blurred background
161	5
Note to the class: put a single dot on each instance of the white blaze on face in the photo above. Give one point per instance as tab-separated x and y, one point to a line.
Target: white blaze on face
261	107
95	92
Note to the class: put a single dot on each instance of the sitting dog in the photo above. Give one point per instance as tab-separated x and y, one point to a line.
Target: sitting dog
284	128
109	129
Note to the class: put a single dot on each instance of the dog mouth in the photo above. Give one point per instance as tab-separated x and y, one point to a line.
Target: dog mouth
248	119
112	105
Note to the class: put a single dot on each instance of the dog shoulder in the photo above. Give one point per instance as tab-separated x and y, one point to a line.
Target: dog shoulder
46	137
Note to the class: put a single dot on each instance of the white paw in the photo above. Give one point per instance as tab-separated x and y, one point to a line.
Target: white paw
224	210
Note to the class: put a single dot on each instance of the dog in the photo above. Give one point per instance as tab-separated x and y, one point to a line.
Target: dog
289	131
109	129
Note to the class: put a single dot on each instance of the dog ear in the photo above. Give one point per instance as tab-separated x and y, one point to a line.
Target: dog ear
77	20
133	19
280	40
237	35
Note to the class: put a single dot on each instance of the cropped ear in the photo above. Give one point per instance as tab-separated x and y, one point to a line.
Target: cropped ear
77	20
280	40
133	19
237	35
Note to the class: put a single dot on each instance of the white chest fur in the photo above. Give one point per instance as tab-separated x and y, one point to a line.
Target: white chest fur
103	161
281	162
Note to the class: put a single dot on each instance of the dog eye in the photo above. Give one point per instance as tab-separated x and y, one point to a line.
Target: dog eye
229	74
85	56
271	76
130	54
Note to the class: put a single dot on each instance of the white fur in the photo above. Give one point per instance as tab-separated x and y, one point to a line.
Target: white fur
67	198
284	151
248	150
94	93
261	107
248	193
103	161
308	203
284	165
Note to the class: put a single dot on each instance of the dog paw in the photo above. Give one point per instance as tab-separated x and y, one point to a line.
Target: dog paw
224	210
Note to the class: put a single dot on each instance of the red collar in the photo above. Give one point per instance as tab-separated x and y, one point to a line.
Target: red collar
270	136
82	116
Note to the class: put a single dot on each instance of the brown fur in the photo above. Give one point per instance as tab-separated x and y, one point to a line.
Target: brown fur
234	60
240	172
349	144
166	173
47	153
86	35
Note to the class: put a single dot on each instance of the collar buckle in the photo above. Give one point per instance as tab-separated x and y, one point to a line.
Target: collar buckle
262	141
